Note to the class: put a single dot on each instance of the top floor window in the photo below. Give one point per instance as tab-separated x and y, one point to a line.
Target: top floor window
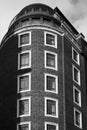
25	23
50	39
24	39
75	56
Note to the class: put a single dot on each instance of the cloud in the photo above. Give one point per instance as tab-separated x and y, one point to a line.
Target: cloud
76	12
81	26
75	9
74	1
79	16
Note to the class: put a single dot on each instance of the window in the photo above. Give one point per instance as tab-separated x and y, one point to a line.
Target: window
24	83
25	22
76	75
23	126
50	39
77	96
75	56
24	60
24	39
51	83
24	107
51	126
77	118
51	107
50	60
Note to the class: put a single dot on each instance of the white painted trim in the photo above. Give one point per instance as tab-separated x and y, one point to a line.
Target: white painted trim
24	52
75	110
78	56
29	98
51	33
51	123
18	83
19	45
79	82
68	30
52	99
45	61
45	83
22	123
74	88
31	27
45	28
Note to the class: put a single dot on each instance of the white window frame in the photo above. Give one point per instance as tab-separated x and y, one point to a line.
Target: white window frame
29	98
52	99
18	83
19	45
51	123
78	75
56	79
74	88
24	52
23	123
80	118
55	35
78	55
45	60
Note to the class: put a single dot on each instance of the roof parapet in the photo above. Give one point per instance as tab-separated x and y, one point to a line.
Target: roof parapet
80	35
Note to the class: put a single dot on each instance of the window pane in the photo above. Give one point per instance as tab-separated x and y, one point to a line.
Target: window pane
76	74
51	107
51	127
24	59
24	39
51	60
25	23
24	127
77	118
75	55
51	83
23	107
76	96
50	39
24	83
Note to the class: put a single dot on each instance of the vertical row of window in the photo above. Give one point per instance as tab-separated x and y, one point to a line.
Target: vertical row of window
50	85
24	81
51	81
76	91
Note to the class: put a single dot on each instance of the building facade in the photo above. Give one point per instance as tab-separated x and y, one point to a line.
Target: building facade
43	77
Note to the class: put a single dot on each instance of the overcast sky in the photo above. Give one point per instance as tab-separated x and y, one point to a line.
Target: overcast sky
74	10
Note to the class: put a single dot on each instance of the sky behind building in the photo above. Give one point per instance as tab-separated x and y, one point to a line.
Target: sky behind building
74	10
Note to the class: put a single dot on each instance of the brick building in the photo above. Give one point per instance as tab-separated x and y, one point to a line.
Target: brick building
43	72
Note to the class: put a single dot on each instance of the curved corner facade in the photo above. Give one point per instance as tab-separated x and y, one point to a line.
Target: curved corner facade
43	86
